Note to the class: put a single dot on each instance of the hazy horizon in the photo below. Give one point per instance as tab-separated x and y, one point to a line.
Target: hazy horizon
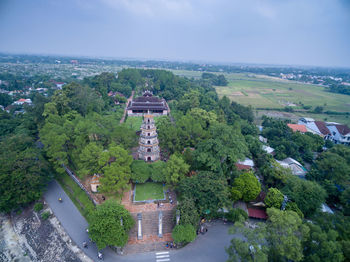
271	32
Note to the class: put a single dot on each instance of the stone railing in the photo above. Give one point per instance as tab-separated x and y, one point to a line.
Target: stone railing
77	181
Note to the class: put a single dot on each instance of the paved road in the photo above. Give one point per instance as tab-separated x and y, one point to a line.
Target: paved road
206	248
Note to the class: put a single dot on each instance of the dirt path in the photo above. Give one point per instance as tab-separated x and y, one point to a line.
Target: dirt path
129	99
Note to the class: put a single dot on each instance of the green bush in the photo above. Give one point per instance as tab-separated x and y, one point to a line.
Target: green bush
188	212
45	215
157	171
141	171
184	234
38	206
236	215
274	198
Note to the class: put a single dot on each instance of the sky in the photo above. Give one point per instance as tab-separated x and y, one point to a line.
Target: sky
286	32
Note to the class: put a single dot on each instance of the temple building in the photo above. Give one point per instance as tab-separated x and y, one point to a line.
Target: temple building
147	104
148	143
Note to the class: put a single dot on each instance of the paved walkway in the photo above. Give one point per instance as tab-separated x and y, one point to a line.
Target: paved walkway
206	248
145	207
127	102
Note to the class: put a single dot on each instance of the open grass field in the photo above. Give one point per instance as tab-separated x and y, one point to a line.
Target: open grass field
269	92
149	191
134	122
262	91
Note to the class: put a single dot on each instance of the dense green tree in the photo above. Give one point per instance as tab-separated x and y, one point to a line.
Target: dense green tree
5	100
322	245
89	158
189	100
115	163
24	172
110	224
274	198
208	190
183	234
286	234
158	171
141	171
246	187
220	153
175	170
279	239
122	135
188	212
308	195
168	135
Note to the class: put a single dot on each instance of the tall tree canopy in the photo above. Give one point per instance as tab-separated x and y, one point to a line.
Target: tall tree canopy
246	187
208	190
110	224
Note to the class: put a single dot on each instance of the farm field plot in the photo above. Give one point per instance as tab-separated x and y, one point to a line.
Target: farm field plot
149	191
269	92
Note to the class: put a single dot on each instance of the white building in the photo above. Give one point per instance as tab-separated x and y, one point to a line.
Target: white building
22	101
340	134
295	166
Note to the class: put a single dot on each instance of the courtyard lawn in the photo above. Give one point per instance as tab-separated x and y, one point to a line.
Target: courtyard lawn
149	191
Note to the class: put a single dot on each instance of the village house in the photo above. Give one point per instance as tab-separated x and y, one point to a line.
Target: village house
268	150
147	104
298	128
315	127
296	168
22	101
246	164
339	134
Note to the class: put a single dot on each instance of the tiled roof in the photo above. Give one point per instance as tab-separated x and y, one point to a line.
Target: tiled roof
257	213
322	127
296	127
242	167
343	129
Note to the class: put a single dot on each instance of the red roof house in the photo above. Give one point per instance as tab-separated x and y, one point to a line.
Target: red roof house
257	213
296	127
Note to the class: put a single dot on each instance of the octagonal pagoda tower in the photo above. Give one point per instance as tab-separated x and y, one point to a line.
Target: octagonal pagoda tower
148	143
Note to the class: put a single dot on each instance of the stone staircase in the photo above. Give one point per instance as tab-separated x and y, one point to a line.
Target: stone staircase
150	240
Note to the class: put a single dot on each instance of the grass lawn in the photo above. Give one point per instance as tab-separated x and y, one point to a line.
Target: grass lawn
76	194
148	191
134	122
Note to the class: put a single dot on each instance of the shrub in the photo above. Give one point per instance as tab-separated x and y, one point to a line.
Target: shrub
45	215
141	171
236	215
274	198
157	171
188	212
38	206
184	233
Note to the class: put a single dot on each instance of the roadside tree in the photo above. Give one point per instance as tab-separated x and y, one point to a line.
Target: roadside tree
110	224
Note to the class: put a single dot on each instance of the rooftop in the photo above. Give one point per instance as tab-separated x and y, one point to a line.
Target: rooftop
257	213
296	127
343	129
322	127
